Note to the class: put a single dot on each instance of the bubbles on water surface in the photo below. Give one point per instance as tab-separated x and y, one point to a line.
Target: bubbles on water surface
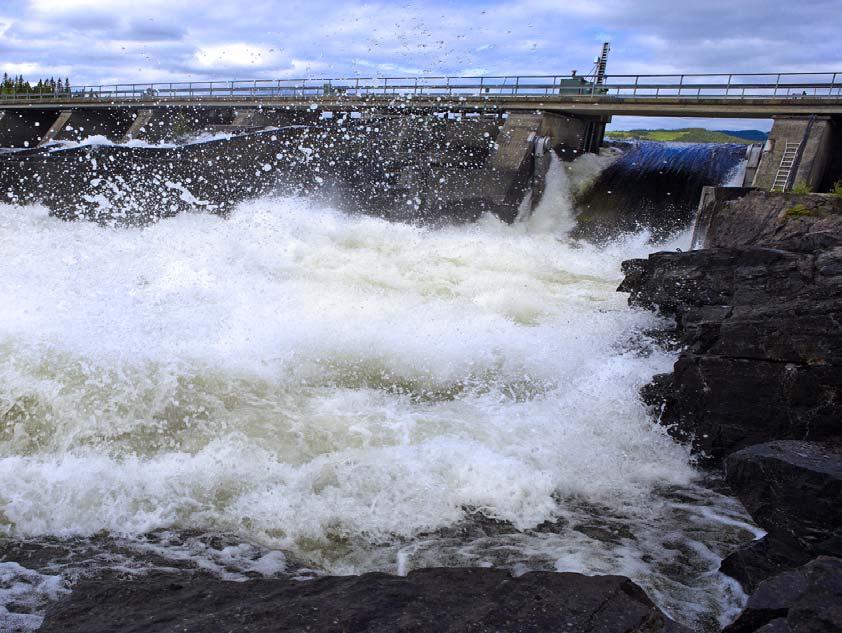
351	391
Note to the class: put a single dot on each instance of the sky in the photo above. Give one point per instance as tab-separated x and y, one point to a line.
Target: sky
111	41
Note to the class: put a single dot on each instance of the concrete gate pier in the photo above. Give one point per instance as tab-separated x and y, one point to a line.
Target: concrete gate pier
799	151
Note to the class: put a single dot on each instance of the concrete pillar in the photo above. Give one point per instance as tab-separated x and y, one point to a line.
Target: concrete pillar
515	166
711	205
138	126
510	167
815	155
573	136
56	127
813	135
753	154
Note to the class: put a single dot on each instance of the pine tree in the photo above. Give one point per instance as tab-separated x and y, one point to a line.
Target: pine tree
17	85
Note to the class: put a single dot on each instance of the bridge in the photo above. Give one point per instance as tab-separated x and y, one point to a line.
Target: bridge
390	138
757	95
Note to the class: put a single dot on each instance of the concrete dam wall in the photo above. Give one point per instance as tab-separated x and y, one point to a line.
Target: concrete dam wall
157	162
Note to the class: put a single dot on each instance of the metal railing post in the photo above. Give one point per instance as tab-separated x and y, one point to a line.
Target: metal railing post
822	85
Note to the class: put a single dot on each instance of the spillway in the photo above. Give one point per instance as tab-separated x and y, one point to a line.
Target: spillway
297	390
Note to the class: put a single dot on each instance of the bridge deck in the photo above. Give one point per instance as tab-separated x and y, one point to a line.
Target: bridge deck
588	105
712	95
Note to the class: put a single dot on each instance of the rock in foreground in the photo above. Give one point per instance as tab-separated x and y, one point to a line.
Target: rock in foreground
804	600
758	312
434	600
792	489
763	355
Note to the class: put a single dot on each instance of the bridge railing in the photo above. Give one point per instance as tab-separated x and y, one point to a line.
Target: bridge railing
676	86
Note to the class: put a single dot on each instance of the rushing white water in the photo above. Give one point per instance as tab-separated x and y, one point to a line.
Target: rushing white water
349	390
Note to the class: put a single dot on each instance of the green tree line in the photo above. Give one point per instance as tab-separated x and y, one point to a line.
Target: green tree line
17	85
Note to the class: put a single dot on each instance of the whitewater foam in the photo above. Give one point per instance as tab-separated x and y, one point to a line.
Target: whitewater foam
342	388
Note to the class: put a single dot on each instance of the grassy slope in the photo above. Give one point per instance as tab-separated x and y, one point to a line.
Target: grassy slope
686	135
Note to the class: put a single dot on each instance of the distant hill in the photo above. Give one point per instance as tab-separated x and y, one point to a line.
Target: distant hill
691	135
755	136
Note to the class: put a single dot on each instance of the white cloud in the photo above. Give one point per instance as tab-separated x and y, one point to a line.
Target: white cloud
111	40
237	55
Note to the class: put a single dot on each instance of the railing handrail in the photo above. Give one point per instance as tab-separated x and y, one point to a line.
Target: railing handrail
669	85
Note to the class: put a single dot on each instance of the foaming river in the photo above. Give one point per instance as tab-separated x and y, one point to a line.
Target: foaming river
341	394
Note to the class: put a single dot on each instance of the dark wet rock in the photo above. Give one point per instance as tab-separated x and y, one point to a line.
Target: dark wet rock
749	218
807	599
793	490
763	355
754	562
759	312
440	600
778	625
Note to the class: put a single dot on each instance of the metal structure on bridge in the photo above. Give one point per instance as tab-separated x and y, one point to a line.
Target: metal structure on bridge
687	86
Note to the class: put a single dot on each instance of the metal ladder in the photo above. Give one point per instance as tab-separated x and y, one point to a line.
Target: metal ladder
785	168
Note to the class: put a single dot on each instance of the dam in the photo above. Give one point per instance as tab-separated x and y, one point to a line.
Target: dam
433	147
320	330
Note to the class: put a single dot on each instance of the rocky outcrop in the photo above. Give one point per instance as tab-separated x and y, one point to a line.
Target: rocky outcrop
759	312
754	562
758	384
763	355
434	600
739	218
793	490
807	599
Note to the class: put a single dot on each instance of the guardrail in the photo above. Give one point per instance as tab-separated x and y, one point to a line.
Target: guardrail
685	86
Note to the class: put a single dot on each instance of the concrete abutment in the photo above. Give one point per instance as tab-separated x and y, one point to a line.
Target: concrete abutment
817	139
